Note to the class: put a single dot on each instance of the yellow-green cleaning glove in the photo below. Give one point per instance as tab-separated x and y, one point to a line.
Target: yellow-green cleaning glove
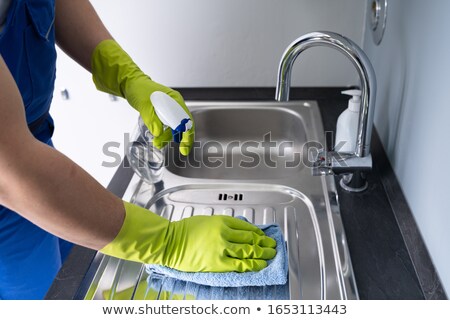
199	243
113	71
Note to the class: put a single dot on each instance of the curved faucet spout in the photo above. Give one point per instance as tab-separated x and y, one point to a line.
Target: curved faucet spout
362	65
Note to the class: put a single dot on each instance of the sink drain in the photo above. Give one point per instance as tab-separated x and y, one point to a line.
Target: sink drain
235	197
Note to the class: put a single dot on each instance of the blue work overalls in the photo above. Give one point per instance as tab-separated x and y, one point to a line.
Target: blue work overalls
29	256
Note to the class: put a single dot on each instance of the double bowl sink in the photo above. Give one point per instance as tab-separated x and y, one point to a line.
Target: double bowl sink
250	159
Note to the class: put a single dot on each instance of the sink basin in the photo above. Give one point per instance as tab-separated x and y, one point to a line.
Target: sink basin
251	160
242	141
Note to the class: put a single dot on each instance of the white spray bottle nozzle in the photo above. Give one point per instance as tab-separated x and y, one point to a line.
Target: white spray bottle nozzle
171	113
355	101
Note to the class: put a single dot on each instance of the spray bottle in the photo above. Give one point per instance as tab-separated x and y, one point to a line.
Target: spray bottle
171	114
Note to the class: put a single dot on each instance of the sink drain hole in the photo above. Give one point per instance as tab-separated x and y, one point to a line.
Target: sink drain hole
235	197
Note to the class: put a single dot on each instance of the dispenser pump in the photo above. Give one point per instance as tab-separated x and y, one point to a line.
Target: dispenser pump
355	102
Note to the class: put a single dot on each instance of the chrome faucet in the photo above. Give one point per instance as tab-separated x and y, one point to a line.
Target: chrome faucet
352	165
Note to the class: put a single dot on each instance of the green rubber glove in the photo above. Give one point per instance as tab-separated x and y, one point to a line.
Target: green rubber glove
199	243
114	72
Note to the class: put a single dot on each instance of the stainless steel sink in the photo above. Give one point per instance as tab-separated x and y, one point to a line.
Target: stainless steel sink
222	176
226	129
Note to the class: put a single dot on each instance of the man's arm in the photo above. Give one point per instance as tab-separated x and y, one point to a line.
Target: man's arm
79	30
46	187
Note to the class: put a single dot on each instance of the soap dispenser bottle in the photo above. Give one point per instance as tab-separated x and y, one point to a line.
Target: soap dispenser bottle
347	124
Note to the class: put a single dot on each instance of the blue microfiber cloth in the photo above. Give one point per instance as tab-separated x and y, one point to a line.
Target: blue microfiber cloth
274	274
165	288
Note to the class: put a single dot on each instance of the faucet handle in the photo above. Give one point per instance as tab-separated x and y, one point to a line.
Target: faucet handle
332	162
351	166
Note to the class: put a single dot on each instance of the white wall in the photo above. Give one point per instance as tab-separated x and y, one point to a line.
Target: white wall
412	114
198	43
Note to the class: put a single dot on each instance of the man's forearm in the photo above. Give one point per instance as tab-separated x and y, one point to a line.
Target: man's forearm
53	192
68	202
79	30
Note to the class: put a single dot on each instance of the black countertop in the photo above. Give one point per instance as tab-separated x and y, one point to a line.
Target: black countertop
389	258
